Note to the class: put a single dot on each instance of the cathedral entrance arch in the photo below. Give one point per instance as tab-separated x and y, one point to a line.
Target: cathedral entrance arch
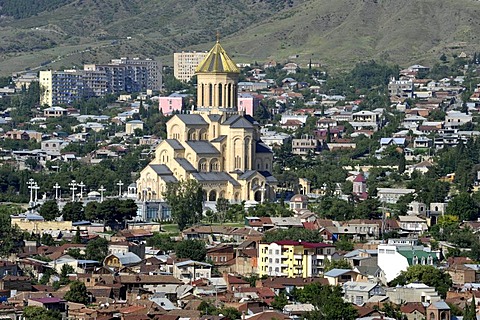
258	196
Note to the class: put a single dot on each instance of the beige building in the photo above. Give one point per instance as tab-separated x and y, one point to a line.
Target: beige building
216	145
185	63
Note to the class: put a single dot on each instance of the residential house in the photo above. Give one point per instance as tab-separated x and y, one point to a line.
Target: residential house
306	145
54	112
413	224
393	259
336	277
412	292
190	270
359	292
121	260
391	195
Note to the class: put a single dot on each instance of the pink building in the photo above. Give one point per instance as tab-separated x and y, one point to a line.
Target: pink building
248	103
168	105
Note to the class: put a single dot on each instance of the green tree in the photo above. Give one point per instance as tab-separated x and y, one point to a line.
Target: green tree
191	249
97	249
186	199
327	301
463	206
337	264
77	293
77	237
280	301
161	241
222	207
39	313
73	211
470	312
64	272
49	210
426	274
47	240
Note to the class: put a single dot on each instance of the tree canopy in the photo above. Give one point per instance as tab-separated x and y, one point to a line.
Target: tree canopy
186	200
77	293
191	249
426	274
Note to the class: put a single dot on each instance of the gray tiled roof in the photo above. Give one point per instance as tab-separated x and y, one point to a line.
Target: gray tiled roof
203	147
219	138
242	123
169	178
231	120
214	117
268	177
192	119
214	176
262	148
161	169
185	164
175	144
247	174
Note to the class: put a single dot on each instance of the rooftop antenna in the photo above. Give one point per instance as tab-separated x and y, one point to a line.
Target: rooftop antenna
218	36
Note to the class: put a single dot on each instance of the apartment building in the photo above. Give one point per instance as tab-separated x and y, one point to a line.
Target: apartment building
293	259
97	80
184	64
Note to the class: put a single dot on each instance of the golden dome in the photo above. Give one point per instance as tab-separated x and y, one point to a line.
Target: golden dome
217	60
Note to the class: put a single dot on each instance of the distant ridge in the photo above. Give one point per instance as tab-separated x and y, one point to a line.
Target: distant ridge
336	32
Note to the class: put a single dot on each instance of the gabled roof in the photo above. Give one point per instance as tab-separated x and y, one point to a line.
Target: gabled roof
175	144
217	61
185	164
161	169
191	119
336	272
203	147
214	176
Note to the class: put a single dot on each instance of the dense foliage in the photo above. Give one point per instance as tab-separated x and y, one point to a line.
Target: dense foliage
426	274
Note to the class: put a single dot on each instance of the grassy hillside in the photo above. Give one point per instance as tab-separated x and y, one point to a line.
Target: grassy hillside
336	32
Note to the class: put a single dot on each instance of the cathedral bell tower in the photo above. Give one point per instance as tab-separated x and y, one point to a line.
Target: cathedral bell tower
217	81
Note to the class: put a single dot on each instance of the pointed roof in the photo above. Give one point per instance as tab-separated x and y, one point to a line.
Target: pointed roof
217	60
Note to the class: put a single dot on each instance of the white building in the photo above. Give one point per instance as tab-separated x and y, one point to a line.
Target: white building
393	259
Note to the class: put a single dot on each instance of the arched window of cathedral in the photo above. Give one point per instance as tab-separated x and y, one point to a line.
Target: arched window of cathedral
220	95
212	195
229	95
214	165
237	197
266	166
203	134
191	135
210	95
222	194
202	165
247	153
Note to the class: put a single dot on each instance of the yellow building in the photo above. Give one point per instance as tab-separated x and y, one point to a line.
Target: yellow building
293	259
215	144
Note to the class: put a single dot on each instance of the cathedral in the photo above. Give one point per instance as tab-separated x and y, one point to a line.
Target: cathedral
215	144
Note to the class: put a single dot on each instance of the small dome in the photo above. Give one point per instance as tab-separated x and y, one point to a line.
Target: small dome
299	198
